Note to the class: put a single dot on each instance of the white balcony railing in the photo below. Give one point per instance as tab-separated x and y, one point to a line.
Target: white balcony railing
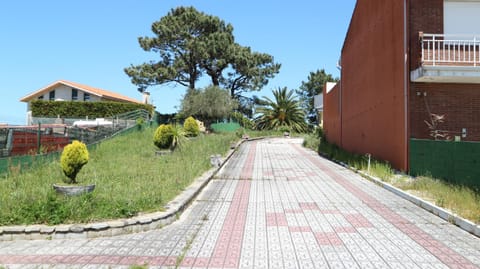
450	50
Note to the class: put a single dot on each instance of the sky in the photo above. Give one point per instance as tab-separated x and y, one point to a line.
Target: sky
91	42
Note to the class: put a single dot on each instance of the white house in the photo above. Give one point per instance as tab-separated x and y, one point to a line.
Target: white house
63	90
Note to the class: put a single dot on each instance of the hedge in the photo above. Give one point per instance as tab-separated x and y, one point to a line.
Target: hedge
70	109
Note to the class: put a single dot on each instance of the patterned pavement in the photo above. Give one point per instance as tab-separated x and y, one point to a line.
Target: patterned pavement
274	205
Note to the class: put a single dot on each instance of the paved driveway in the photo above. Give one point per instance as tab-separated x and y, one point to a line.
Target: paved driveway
274	205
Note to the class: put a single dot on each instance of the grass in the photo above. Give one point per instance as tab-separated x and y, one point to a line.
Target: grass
129	179
460	200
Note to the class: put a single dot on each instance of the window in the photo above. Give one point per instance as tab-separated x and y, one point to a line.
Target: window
86	96
51	96
74	94
40	97
461	18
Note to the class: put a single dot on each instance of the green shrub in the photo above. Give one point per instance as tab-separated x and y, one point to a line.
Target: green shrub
191	128
74	157
243	120
71	109
163	137
140	122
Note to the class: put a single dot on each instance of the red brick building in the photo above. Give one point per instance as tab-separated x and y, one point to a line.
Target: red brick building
410	69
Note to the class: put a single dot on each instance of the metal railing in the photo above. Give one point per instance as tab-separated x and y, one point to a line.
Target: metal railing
450	50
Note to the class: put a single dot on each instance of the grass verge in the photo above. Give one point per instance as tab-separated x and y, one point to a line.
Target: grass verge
460	200
129	179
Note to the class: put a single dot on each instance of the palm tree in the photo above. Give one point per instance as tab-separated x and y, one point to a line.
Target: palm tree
284	112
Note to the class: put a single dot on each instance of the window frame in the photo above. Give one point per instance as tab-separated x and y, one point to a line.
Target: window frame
51	95
74	94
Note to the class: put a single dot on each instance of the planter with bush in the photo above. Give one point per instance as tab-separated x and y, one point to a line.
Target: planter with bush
73	158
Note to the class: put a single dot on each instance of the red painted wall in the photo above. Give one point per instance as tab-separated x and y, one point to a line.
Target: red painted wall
331	115
373	84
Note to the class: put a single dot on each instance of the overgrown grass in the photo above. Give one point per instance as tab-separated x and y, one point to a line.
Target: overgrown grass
460	200
129	179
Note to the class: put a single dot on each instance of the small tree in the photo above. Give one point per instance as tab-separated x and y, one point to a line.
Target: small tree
74	157
313	86
191	128
163	137
209	104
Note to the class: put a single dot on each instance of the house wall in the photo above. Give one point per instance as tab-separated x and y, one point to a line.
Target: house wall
424	16
373	83
459	103
331	115
64	93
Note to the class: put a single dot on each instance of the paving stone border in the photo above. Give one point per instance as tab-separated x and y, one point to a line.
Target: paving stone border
464	224
140	223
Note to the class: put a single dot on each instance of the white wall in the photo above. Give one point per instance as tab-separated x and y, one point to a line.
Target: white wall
462	17
64	93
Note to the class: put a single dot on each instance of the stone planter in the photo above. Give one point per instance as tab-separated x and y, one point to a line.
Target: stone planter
73	190
163	152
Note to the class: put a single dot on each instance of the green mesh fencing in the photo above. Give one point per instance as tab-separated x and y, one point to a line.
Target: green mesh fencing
455	162
225	127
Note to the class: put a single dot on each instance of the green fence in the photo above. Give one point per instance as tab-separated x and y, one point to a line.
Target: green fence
455	162
225	127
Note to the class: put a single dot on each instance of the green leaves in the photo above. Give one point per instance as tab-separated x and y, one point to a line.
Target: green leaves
190	44
70	109
209	104
74	157
313	86
283	112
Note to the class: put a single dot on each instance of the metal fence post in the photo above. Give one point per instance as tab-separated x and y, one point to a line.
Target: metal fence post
39	138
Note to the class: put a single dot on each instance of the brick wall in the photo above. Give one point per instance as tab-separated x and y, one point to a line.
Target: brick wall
424	16
459	103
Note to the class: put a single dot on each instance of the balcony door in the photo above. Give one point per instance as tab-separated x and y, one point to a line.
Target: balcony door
462	18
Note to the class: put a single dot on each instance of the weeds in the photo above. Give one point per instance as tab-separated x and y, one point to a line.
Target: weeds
461	200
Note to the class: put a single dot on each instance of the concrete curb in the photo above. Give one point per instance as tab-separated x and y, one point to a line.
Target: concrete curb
140	223
464	224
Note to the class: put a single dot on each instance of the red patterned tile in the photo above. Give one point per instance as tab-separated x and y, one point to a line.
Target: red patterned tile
170	261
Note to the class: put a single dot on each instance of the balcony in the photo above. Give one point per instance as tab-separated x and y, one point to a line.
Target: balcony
448	59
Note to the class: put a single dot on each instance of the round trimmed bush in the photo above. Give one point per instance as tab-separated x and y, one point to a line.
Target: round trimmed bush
190	126
163	137
74	157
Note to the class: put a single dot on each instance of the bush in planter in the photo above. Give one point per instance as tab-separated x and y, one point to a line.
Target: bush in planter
163	137
191	128
74	157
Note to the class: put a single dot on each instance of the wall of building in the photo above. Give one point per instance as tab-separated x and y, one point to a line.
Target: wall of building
64	93
373	83
425	16
458	103
331	115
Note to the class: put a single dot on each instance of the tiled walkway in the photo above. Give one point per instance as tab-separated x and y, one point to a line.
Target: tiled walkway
274	205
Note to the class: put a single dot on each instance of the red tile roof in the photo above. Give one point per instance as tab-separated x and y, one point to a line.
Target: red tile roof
108	95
